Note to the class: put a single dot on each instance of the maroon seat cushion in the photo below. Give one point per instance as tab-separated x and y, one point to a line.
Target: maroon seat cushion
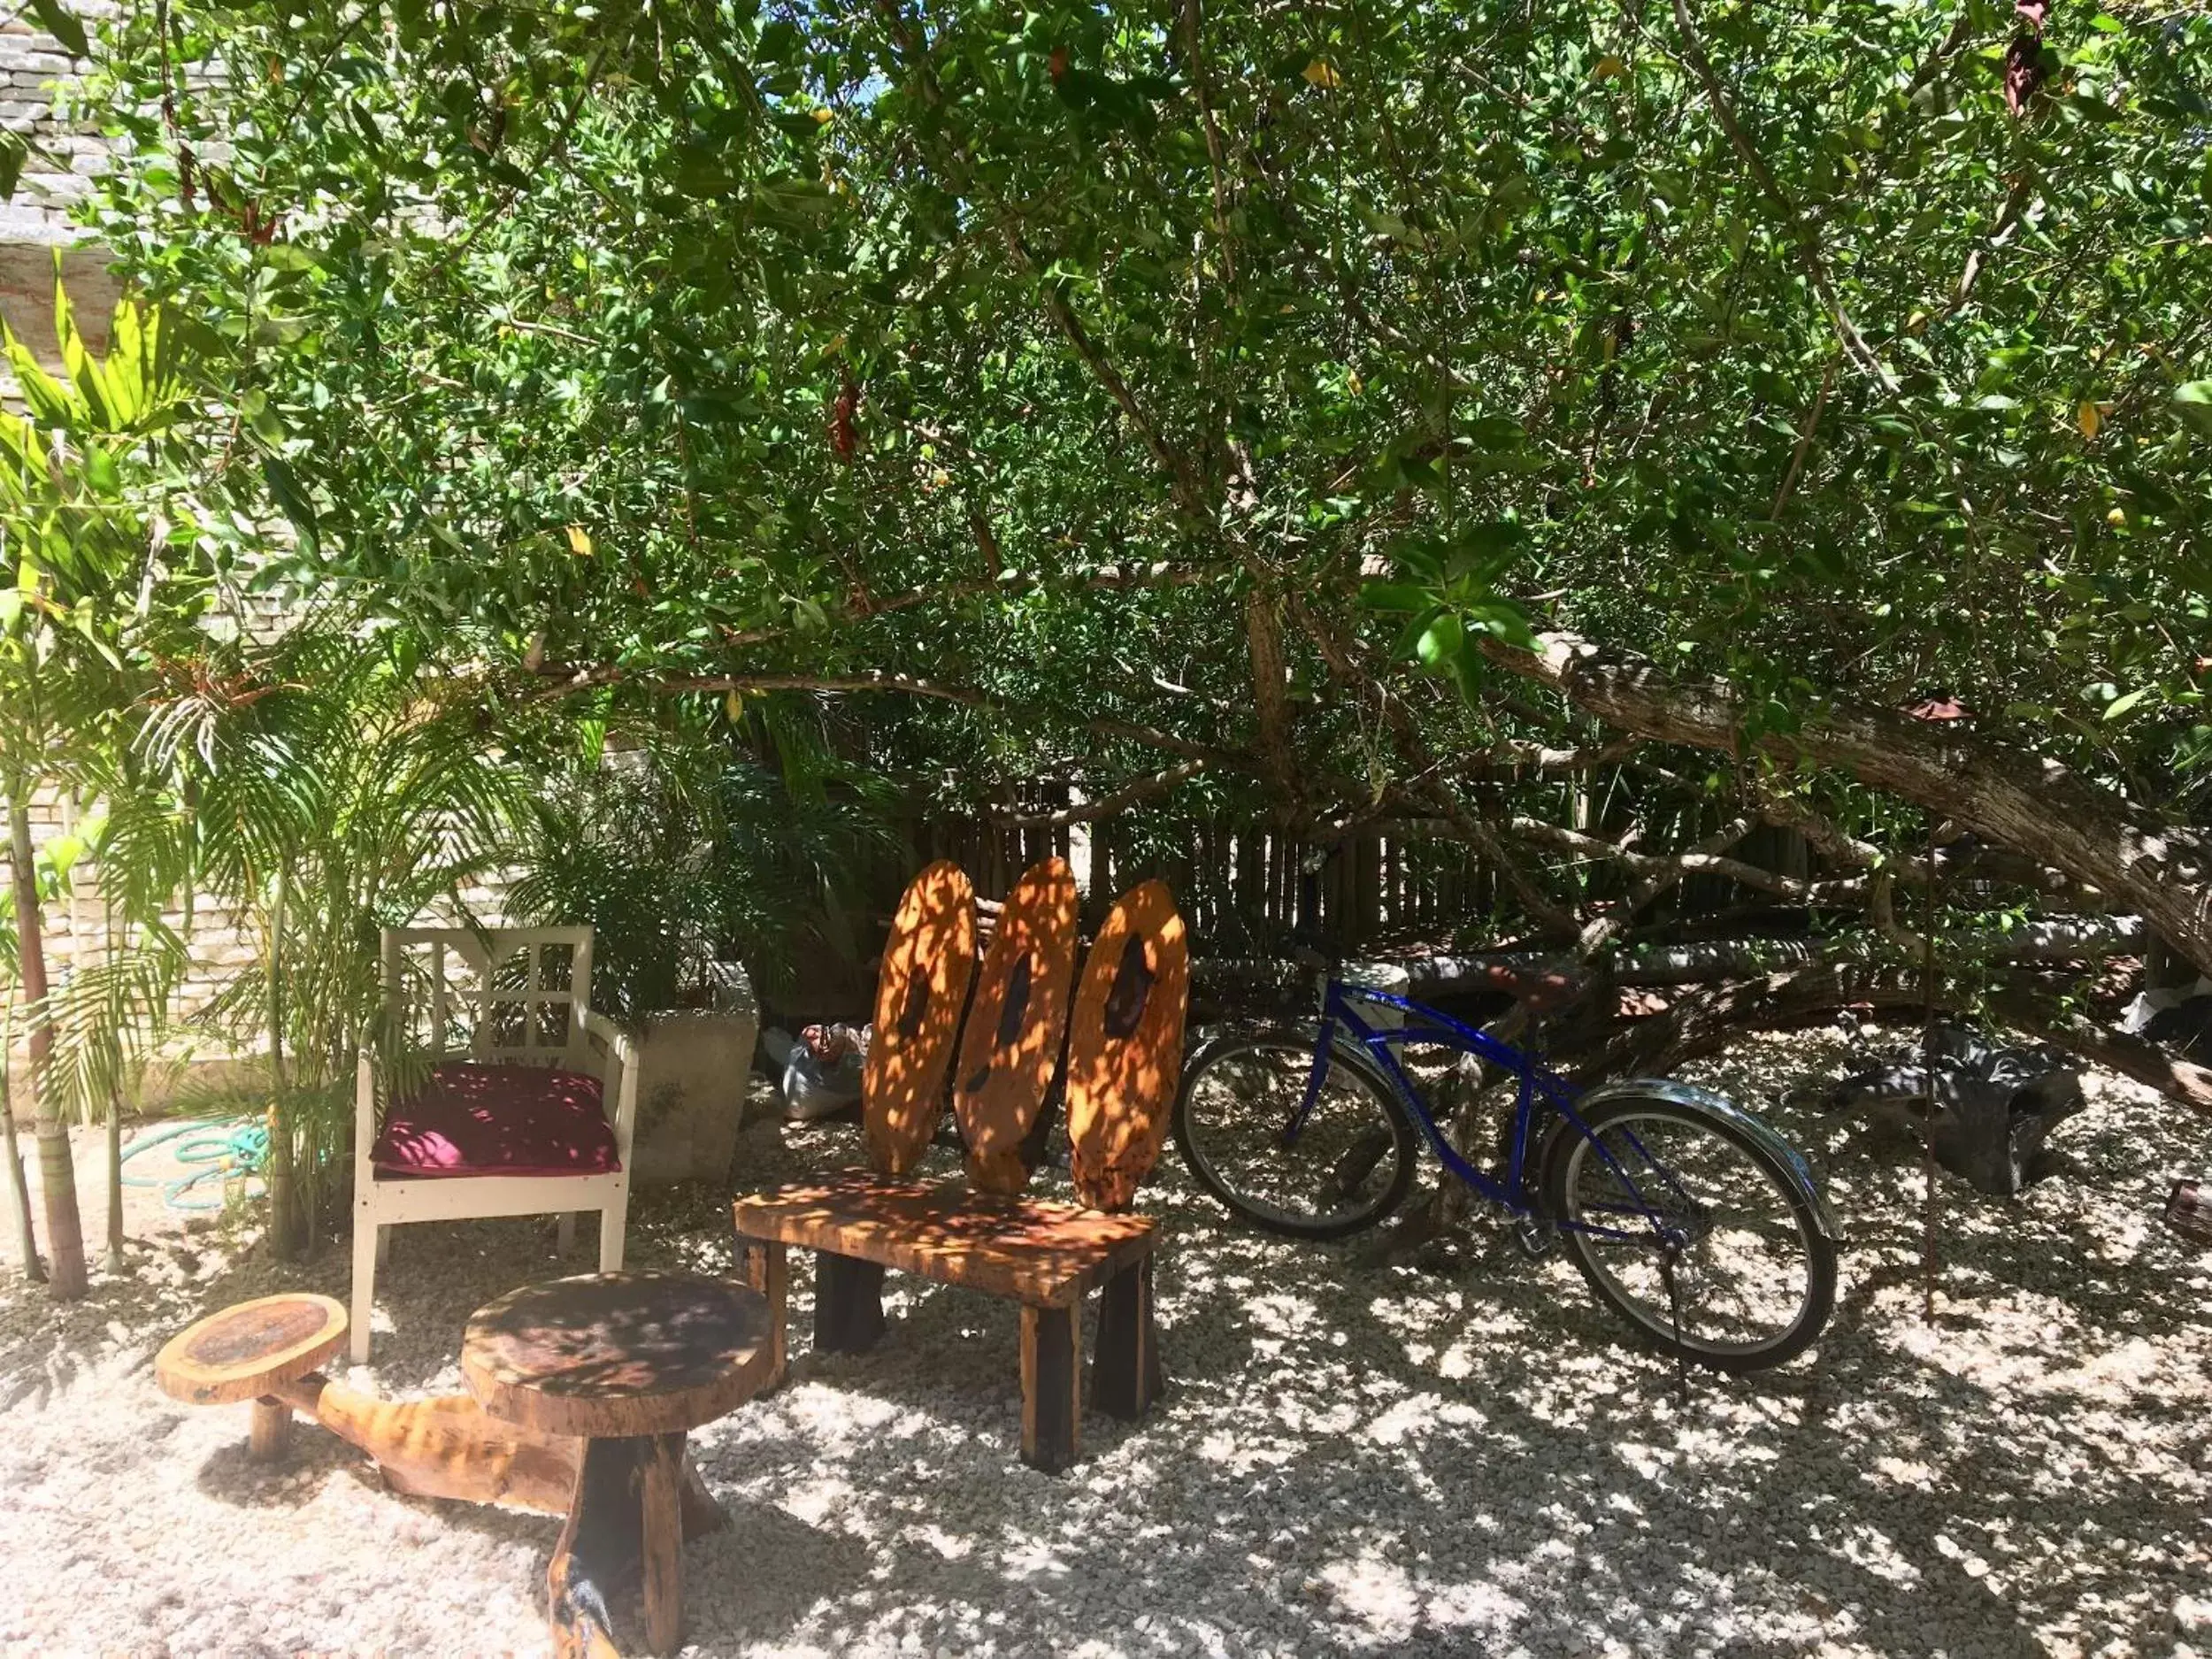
471	1120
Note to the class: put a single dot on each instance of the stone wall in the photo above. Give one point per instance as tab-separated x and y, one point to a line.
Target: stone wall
35	224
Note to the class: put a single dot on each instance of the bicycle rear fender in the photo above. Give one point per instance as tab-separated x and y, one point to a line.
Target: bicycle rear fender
1666	1088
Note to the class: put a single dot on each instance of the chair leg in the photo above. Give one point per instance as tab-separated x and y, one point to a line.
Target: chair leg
366	1233
611	1219
565	1236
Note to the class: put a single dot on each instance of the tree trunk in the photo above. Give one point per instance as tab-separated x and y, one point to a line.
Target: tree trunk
114	1261
19	1188
57	1170
2024	801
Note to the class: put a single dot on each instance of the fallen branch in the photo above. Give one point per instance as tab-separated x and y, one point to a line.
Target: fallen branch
1704	1023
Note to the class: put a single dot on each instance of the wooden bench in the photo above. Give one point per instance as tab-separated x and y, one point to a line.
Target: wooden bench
1122	1056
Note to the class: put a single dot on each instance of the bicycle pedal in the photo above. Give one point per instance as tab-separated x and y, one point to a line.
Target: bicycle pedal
1537	1237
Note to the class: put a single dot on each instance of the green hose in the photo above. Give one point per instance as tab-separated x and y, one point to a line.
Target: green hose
226	1149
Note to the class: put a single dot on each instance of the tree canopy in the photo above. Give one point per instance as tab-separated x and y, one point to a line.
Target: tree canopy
1221	399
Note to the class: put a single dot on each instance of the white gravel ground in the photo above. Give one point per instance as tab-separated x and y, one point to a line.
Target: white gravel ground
1351	1459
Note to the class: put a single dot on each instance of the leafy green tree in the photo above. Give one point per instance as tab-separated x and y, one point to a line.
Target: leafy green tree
1435	414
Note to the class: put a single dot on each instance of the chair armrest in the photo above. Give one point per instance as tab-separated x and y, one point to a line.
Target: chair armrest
619	1042
618	1082
364	1111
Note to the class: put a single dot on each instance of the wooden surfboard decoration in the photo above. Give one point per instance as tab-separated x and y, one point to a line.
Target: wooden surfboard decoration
1012	1044
1126	1046
920	990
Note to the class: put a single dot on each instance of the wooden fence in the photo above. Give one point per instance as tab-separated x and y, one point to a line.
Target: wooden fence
1237	883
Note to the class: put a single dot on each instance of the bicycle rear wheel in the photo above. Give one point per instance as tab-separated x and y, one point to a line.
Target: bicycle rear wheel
1692	1230
1317	1171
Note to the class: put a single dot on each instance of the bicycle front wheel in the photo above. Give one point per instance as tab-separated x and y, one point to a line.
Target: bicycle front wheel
1313	1162
1694	1230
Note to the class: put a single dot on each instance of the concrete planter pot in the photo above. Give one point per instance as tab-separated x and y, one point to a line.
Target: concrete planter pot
693	1068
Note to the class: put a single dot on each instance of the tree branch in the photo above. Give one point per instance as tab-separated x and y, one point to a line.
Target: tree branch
1809	250
2134	859
1804	443
1159	783
1603	932
1111	577
1188	492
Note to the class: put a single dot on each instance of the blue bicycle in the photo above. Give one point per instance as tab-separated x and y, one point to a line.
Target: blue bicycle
1693	1219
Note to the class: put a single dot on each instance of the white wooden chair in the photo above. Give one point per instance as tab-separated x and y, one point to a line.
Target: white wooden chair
531	1114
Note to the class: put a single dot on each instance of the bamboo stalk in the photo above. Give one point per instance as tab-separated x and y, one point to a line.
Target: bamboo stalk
282	1239
57	1169
18	1186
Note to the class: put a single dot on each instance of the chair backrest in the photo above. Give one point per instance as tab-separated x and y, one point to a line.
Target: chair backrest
1126	1046
1011	1049
510	995
920	991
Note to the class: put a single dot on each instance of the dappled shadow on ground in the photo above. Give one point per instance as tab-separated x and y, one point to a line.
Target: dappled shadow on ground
1349	1459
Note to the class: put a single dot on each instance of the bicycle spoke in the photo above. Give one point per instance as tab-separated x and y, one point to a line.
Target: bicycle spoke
1290	1155
1741	1276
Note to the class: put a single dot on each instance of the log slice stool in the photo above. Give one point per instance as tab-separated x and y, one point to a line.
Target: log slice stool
251	1352
628	1363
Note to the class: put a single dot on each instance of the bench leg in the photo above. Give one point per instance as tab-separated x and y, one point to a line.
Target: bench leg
1125	1375
1052	1386
768	1270
848	1303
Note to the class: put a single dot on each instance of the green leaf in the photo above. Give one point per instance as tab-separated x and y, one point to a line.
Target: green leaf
2119	707
14	153
59	21
2193	402
1395	597
1440	641
284	490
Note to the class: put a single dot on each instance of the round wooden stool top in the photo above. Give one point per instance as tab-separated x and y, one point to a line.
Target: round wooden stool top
605	1355
244	1352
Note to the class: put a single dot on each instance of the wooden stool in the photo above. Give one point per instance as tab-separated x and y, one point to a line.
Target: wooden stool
251	1352
446	1446
628	1363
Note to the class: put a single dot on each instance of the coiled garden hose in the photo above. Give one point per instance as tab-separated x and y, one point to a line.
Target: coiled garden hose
225	1151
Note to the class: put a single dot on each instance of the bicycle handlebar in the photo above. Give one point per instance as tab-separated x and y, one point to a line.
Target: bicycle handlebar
1543	988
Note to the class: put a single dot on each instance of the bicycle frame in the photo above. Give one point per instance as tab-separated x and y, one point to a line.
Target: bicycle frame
1379	1044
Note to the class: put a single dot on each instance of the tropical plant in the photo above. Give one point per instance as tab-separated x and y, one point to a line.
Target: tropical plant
104	586
686	850
335	790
